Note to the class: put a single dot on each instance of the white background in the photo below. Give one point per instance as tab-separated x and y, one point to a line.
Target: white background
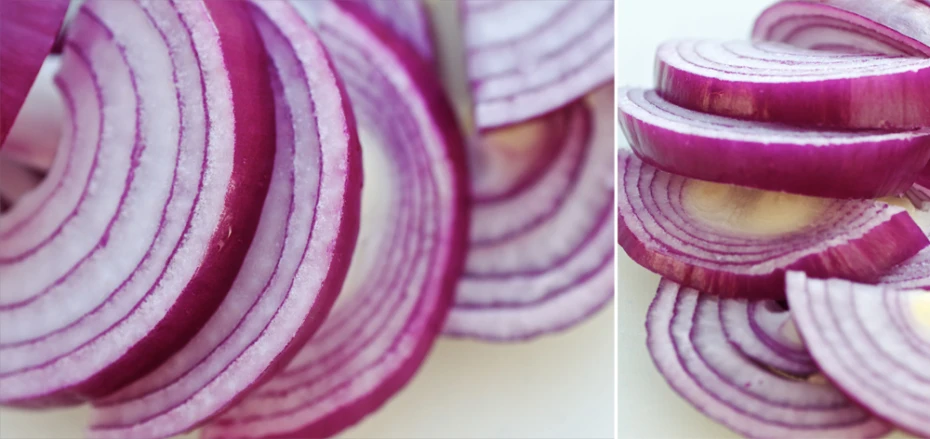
647	407
558	386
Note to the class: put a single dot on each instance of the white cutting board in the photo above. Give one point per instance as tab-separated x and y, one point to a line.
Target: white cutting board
556	387
647	407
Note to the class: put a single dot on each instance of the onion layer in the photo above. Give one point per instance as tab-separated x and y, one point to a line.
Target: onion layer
28	30
401	283
892	27
540	256
529	58
774	82
857	164
689	347
872	341
763	331
147	213
34	138
739	242
295	266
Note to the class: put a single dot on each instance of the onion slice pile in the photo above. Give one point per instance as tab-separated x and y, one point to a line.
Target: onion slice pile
297	262
774	82
541	250
28	30
739	242
892	27
763	331
771	156
527	58
398	295
34	138
149	207
872	341
687	343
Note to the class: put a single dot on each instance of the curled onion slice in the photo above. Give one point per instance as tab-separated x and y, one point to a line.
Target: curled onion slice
540	256
147	213
774	82
410	256
688	345
295	266
33	139
739	242
763	331
893	27
528	58
873	342
840	164
28	30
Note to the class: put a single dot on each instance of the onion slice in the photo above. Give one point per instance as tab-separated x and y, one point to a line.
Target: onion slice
147	213
408	19
34	138
540	256
403	276
688	345
774	82
763	331
855	164
919	196
529	58
28	30
739	242
872	341
295	266
893	27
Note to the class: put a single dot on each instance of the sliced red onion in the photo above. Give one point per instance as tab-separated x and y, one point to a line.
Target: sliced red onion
295	266
774	82
147	213
840	164
893	27
873	342
409	19
541	253
33	139
16	181
688	345
529	58
763	331
913	273
401	282
28	29
739	242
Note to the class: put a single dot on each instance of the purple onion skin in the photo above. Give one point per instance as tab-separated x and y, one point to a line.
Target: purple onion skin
899	101
897	25
253	107
27	29
864	170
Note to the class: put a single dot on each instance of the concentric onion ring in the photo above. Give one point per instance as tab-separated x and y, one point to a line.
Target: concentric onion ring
541	252
840	164
892	27
739	242
295	266
872	341
528	58
688	345
410	256
147	212
774	82
763	331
